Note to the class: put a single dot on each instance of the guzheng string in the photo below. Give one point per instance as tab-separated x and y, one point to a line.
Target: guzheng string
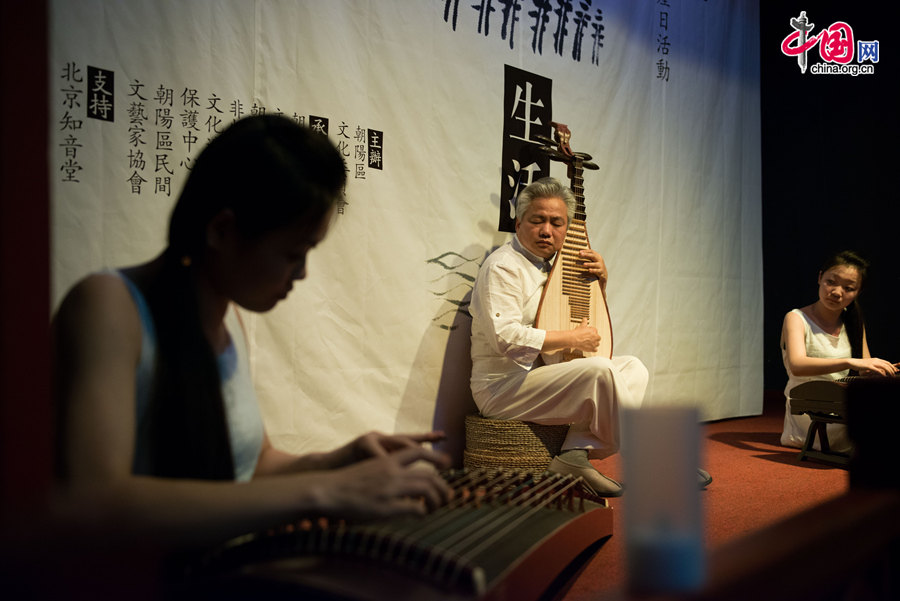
506	501
489	529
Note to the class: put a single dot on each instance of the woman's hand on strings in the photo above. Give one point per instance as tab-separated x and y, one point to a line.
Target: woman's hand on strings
395	483
376	444
874	366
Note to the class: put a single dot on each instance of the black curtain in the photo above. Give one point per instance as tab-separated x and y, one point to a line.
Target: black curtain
830	170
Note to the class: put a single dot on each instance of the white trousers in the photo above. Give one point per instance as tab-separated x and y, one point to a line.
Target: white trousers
586	393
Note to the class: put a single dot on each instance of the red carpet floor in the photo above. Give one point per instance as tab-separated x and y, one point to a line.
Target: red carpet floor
756	482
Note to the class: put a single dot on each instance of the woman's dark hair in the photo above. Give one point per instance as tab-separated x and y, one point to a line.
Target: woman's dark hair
270	172
852	315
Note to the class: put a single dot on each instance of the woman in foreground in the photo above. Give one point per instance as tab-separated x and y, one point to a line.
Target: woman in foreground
160	437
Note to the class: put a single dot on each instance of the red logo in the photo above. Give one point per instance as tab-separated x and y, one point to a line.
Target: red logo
836	47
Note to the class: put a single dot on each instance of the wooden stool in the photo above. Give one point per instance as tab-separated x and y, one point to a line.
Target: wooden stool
825	402
510	445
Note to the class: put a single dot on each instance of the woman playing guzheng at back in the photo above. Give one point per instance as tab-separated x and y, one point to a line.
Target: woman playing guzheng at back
826	341
160	436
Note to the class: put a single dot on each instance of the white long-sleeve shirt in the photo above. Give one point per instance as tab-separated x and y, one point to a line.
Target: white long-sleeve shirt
504	304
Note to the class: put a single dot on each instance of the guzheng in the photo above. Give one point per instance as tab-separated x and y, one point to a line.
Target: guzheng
821	395
572	294
504	536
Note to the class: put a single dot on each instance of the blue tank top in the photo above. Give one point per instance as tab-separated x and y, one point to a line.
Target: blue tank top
245	426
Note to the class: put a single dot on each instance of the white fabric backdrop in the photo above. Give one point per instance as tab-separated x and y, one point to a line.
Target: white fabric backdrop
377	336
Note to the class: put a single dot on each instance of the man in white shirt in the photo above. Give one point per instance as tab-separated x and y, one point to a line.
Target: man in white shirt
509	377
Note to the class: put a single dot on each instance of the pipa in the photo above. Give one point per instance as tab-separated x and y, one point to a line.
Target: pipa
571	293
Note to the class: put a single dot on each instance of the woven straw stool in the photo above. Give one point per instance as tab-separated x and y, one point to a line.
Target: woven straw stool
510	445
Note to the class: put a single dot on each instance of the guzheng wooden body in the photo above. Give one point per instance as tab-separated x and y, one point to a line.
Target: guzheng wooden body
572	294
505	536
824	396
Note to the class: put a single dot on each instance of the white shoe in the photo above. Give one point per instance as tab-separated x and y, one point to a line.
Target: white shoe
704	479
600	485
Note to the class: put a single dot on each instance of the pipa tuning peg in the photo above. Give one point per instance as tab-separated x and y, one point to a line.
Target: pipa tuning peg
583	155
544	139
553	153
590	165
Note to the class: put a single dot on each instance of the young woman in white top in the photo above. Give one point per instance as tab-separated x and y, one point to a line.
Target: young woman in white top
827	341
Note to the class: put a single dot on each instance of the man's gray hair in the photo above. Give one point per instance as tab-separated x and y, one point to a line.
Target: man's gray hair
546	187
